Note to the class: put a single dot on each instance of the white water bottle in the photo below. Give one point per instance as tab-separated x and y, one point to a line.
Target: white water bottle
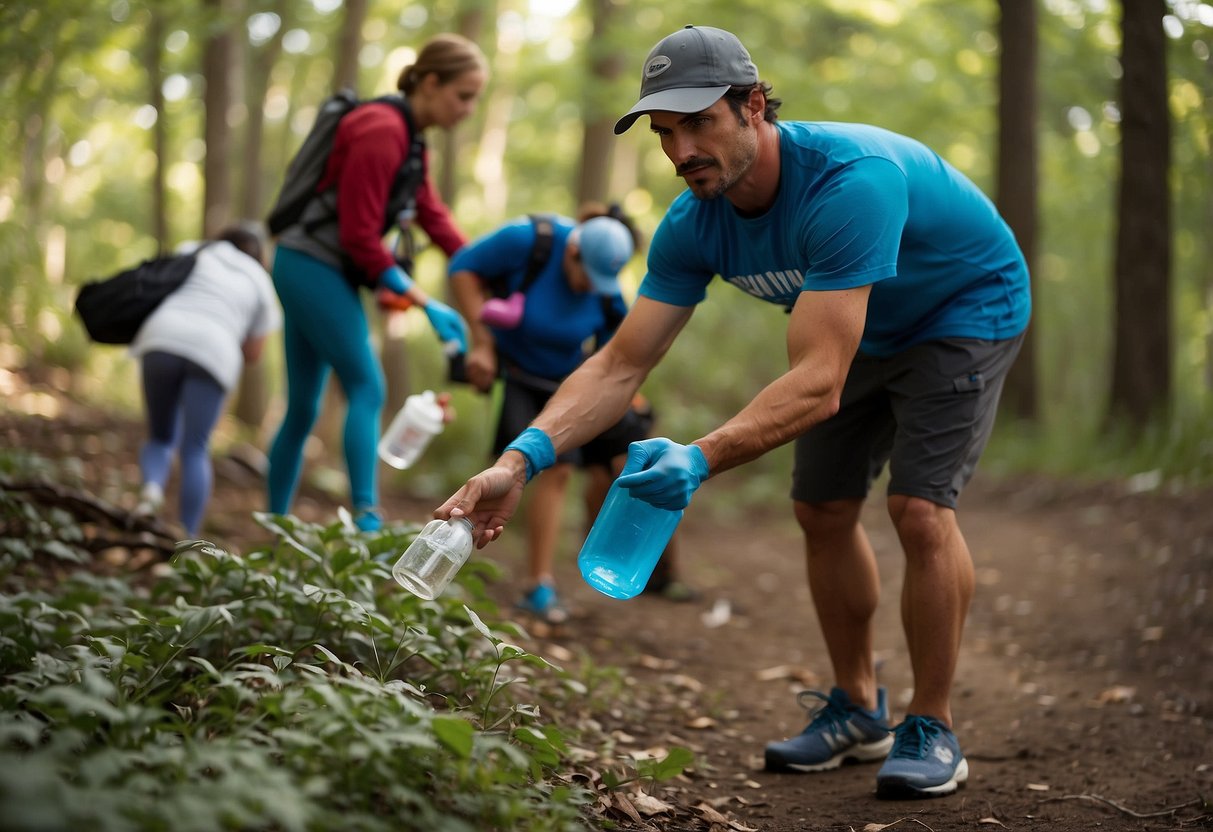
418	422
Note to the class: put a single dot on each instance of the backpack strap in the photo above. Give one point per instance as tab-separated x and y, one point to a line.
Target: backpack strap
541	252
541	249
403	196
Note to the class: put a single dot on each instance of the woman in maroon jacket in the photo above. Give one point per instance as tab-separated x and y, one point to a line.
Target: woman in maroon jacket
376	177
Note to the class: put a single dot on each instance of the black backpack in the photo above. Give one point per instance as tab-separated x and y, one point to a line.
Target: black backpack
113	309
541	252
307	167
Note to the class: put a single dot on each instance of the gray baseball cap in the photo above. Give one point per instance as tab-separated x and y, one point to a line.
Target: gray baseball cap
689	71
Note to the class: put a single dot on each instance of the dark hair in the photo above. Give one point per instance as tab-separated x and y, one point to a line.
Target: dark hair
738	96
590	210
244	238
448	56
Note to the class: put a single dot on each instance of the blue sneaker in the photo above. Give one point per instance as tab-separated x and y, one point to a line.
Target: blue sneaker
543	603
925	761
369	519
840	732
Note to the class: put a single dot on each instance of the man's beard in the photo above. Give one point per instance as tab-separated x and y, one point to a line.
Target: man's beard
724	183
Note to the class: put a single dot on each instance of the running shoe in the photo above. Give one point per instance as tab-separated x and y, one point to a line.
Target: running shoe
840	732
925	761
151	500
543	603
369	519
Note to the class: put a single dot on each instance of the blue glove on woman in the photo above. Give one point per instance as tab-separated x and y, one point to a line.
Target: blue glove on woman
447	323
395	279
663	473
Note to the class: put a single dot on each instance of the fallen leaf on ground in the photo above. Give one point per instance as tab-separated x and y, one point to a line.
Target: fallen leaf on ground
701	723
1116	694
624	805
992	822
876	827
654	663
648	805
711	815
1037	787
719	615
681	680
803	675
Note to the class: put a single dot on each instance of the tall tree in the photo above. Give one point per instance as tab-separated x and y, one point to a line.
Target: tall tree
1141	368
349	45
217	62
1017	195
598	141
153	51
453	142
253	394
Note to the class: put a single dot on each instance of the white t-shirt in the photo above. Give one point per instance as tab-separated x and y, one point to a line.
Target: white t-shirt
227	299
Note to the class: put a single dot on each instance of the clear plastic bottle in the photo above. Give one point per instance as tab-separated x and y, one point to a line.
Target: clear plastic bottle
432	559
417	423
625	543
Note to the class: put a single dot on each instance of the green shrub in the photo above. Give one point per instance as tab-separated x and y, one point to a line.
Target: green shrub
295	687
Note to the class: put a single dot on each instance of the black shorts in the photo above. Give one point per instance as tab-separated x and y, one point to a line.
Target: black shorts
521	403
927	411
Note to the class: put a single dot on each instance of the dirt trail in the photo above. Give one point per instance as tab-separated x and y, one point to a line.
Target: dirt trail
1083	699
1086	677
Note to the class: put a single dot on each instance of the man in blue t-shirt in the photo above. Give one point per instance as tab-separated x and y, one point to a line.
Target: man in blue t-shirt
908	299
557	296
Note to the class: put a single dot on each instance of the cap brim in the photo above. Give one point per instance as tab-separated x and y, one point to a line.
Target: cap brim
685	100
602	283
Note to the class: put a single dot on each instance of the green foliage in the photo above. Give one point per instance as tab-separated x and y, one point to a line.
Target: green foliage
295	687
74	83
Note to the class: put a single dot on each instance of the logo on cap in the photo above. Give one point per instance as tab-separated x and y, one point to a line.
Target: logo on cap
656	66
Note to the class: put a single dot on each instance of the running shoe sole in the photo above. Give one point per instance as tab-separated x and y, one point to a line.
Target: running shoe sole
865	752
896	788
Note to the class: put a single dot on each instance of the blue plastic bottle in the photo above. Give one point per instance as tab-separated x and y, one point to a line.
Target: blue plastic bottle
625	543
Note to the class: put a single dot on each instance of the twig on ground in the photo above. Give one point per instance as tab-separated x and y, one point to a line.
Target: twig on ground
1094	798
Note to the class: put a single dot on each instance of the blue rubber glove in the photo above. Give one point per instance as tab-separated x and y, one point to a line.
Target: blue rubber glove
536	448
395	279
663	473
447	323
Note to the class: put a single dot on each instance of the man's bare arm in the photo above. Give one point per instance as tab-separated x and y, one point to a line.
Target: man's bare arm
598	393
823	336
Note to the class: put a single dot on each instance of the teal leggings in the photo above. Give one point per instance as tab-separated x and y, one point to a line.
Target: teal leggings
324	326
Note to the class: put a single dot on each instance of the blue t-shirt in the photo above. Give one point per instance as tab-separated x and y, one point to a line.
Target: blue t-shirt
556	321
857	205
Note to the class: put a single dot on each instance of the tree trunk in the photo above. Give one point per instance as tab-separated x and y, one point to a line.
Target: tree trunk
155	78
253	395
349	45
490	149
1141	372
598	141
217	62
1017	195
333	406
471	26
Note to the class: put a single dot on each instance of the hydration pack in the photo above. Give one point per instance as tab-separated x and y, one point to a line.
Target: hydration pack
300	203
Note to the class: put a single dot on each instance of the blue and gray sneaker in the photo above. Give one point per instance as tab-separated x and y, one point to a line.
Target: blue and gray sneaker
840	732
543	603
925	761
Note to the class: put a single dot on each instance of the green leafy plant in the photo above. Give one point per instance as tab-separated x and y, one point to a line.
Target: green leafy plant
295	687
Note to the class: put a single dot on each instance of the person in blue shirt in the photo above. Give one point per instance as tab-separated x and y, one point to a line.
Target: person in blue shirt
907	297
532	337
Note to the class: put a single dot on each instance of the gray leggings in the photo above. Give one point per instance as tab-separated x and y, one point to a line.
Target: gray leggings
183	404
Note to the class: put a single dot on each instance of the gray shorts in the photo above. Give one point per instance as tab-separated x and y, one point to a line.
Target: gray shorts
927	411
